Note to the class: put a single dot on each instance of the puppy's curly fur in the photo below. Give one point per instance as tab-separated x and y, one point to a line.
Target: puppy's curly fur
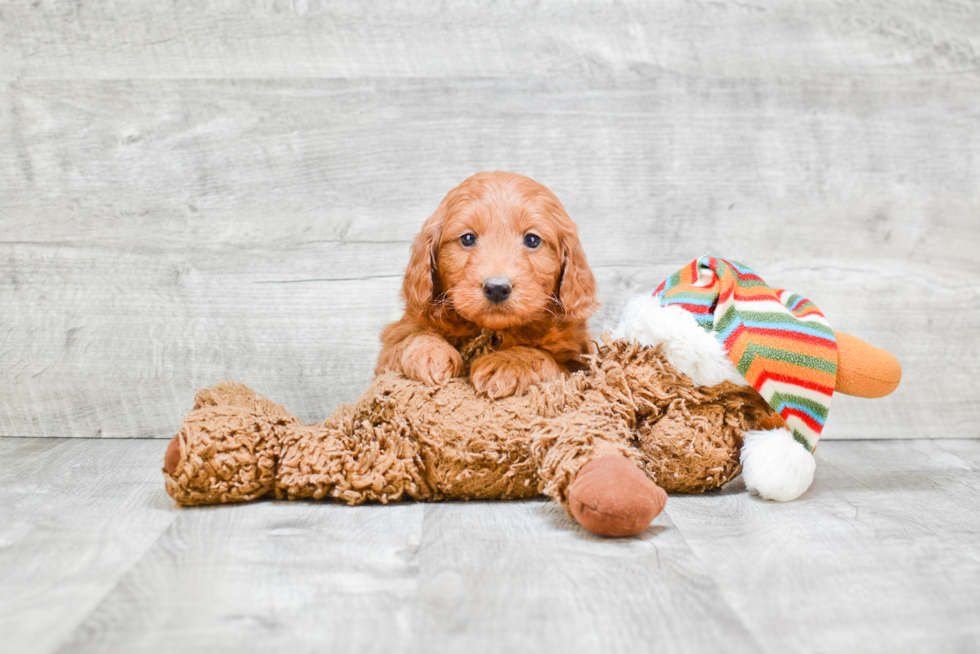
500	229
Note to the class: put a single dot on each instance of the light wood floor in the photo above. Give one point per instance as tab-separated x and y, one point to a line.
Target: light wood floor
881	555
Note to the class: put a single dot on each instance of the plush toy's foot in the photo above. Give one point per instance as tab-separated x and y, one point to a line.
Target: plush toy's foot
612	497
172	457
221	454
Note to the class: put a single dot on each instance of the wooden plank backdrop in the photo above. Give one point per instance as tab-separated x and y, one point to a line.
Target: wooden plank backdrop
192	192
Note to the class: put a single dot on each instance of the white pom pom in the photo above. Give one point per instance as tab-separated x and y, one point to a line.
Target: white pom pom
775	465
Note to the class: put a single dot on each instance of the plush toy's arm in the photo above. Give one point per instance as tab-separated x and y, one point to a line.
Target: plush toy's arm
237	446
223	453
864	370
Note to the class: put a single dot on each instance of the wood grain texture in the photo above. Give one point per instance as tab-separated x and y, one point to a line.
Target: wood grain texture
884	544
882	554
74	516
550	595
393	38
270	577
196	192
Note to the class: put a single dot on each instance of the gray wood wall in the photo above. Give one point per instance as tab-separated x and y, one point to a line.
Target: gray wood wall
192	192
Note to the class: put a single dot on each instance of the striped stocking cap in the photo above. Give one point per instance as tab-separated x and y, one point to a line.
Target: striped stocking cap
778	341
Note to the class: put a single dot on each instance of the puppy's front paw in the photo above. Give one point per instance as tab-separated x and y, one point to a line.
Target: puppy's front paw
510	372
430	359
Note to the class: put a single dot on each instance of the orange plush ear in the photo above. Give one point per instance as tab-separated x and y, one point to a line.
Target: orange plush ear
864	370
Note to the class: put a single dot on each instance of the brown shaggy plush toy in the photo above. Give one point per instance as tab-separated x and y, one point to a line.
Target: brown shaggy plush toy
606	442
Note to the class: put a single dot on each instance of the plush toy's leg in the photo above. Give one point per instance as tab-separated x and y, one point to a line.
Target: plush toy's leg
585	462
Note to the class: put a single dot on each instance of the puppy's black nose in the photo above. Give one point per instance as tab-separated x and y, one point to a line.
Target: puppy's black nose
497	289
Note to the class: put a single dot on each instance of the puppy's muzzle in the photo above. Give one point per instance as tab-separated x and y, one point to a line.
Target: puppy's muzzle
497	289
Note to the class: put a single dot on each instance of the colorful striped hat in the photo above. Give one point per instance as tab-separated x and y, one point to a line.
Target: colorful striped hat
778	341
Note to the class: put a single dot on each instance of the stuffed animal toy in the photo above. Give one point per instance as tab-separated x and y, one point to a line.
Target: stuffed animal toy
661	407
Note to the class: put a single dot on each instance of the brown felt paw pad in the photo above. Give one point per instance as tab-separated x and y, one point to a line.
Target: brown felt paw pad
172	458
612	497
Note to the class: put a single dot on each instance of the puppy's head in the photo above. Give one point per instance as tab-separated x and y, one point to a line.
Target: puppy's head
500	251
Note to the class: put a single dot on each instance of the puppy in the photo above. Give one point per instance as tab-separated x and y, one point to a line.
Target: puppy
499	254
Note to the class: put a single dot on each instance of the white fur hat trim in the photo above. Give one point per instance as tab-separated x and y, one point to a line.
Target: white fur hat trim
689	348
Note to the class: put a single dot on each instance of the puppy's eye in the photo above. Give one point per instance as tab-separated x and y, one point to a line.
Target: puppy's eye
532	241
467	240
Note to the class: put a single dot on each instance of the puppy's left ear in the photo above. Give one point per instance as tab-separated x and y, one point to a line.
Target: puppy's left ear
576	286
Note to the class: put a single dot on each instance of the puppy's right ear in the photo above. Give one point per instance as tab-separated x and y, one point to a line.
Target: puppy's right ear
418	287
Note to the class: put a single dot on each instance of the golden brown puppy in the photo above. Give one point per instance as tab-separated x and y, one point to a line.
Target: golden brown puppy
499	253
